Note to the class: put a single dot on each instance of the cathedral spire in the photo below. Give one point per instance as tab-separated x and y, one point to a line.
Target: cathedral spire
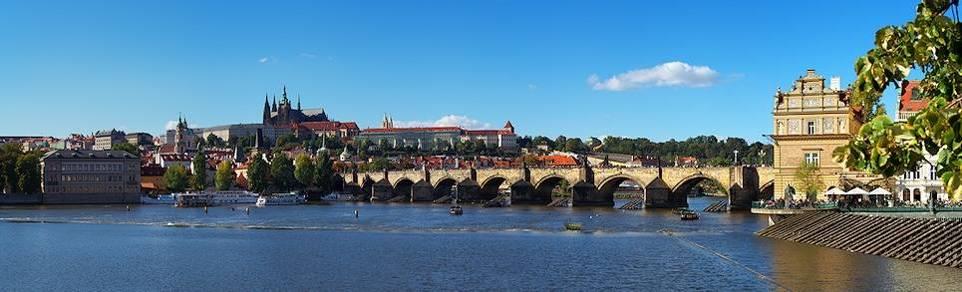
284	96
274	106
267	109
298	101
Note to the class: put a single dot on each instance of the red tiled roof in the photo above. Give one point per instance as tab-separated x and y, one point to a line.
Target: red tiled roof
329	126
487	132
414	129
558	160
906	103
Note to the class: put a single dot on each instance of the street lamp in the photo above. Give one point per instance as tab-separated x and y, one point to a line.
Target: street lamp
736	157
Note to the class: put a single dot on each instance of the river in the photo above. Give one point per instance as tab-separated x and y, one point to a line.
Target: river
421	247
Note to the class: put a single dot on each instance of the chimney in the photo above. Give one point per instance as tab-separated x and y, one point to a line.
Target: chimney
836	83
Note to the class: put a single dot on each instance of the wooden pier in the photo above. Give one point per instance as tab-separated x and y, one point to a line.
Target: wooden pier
925	240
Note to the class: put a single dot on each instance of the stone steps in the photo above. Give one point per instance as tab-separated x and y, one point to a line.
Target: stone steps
924	240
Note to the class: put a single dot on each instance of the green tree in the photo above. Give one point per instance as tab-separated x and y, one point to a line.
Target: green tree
808	180
124	146
224	178
28	171
9	153
932	44
575	145
304	170
324	173
175	177
258	176
199	165
214	140
282	173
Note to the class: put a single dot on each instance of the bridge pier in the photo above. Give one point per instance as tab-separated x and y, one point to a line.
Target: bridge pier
469	191
422	191
382	191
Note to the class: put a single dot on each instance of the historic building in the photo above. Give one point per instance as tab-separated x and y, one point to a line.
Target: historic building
923	183
90	176
435	138
105	140
279	118
810	121
284	114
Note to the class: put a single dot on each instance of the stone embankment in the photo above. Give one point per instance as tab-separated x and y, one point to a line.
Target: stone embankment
925	240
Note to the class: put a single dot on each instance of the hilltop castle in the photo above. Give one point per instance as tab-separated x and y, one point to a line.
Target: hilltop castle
284	114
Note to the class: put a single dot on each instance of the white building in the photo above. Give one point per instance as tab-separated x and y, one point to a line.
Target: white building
923	183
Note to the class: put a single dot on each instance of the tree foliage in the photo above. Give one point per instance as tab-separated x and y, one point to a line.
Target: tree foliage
199	165
175	177
808	180
932	44
224	178
282	173
28	170
124	146
304	170
9	154
258	175
324	176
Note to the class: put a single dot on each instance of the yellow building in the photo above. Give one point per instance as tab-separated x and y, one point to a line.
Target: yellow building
810	121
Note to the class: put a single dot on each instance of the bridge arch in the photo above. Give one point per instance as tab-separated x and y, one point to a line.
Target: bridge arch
491	185
608	187
544	188
685	185
442	187
767	190
403	187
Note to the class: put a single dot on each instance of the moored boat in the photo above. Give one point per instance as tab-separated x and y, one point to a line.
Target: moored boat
168	199
571	226
211	199
291	198
689	216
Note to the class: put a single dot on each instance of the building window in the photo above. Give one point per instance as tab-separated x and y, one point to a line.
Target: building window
811	128
932	173
811	158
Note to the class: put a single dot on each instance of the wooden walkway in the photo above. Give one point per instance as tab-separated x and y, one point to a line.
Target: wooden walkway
924	240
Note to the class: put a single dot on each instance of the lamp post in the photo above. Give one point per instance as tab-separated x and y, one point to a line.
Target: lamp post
736	157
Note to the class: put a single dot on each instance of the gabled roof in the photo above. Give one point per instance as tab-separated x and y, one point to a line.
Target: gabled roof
906	102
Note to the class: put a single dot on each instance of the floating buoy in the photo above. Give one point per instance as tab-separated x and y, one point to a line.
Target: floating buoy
356	214
247	210
205	209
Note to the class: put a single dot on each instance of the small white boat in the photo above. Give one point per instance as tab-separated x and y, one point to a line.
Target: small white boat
281	199
210	199
168	199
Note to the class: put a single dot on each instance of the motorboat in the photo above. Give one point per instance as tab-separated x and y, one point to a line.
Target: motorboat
689	216
571	226
291	198
456	210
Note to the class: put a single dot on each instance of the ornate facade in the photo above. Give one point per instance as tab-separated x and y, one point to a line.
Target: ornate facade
810	121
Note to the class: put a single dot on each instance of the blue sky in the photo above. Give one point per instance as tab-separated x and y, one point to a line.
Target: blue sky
81	66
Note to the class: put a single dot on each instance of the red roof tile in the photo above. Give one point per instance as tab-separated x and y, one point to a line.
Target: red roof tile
907	103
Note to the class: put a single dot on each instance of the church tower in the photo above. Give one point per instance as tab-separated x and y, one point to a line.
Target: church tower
267	110
180	146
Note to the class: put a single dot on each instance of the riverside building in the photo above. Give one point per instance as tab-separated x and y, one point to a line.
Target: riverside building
809	122
90	177
921	184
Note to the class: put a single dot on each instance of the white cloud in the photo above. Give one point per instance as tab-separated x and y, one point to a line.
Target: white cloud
446	121
265	60
532	87
667	74
308	55
171	125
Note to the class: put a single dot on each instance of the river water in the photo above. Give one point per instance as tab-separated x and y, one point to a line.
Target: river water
421	247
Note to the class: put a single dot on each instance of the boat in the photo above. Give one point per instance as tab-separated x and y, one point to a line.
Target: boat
210	199
679	211
689	216
168	199
570	226
456	210
291	198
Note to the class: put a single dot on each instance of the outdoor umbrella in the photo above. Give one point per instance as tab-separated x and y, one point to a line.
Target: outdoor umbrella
856	192
880	192
835	191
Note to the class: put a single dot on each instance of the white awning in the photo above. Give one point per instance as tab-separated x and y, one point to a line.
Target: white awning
856	192
879	191
835	191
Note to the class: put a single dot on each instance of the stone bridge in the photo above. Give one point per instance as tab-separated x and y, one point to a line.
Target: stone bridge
666	187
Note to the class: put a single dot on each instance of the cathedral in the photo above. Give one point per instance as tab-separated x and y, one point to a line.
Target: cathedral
283	113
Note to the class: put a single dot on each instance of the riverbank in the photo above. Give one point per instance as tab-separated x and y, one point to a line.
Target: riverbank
936	241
